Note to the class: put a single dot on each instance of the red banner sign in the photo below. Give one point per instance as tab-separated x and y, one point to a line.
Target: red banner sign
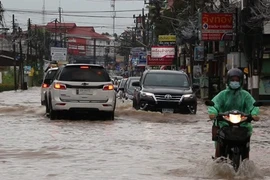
77	46
159	61
217	26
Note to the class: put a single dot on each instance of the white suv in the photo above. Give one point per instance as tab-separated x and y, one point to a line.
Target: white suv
81	87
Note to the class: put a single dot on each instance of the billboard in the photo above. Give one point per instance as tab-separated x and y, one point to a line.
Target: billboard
217	26
167	39
58	54
164	52
77	46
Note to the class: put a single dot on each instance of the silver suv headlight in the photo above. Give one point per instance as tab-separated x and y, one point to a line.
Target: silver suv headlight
147	94
188	95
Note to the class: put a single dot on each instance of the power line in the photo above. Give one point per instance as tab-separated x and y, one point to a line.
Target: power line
75	12
75	15
116	0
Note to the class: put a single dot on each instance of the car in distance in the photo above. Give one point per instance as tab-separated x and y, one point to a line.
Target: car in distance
128	89
46	82
165	91
82	88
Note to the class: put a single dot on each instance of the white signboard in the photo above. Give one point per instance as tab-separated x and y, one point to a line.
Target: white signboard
1	81
162	52
58	54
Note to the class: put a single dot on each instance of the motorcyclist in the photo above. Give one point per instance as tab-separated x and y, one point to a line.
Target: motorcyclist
232	98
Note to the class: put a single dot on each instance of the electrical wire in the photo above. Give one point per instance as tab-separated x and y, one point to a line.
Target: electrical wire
116	0
80	14
76	15
74	12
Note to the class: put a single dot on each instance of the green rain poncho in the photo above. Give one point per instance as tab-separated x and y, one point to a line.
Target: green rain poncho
230	99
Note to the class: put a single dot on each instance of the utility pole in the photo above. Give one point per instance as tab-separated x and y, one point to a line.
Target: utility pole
36	55
14	51
148	31
236	47
44	28
55	33
143	26
113	17
140	25
191	56
28	40
21	61
31	52
94	53
257	38
60	25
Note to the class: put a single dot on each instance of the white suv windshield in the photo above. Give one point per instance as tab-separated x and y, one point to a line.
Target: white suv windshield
84	73
167	80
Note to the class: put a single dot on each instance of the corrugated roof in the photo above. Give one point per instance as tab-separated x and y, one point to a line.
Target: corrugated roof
73	29
52	25
87	32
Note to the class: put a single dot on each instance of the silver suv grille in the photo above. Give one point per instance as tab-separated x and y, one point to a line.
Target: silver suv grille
168	97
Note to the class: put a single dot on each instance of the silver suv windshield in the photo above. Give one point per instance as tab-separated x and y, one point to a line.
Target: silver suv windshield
84	73
166	80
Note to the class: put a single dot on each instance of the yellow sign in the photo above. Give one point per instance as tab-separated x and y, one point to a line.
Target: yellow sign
167	38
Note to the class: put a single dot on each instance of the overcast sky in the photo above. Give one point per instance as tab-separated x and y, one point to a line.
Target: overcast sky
125	18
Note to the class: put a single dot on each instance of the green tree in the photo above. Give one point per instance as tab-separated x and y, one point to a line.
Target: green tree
181	19
106	34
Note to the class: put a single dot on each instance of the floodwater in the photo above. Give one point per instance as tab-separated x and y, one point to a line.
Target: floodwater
136	146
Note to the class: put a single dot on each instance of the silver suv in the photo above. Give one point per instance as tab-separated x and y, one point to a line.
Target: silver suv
81	87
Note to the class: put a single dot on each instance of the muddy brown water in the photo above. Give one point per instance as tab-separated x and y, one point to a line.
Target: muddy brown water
137	145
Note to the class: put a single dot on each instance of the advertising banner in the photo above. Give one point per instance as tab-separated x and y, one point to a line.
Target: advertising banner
159	61
77	46
163	52
217	26
167	40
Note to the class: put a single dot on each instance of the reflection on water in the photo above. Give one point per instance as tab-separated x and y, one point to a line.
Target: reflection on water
137	145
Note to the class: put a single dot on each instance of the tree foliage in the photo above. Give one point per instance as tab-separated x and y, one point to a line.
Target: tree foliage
183	19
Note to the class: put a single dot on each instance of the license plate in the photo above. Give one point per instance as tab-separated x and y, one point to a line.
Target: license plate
167	110
84	91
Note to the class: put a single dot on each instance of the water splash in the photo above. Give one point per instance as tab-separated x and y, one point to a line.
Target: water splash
247	170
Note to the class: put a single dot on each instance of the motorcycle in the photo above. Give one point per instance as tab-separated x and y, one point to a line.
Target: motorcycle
233	139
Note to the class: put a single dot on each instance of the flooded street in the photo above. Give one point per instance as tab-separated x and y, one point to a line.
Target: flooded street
136	146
